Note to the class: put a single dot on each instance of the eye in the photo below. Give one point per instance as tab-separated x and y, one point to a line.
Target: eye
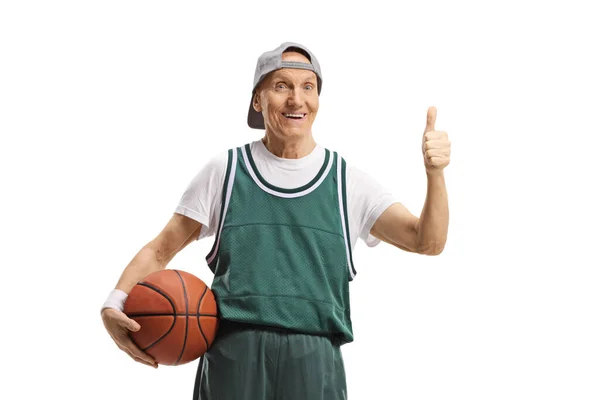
280	86
309	87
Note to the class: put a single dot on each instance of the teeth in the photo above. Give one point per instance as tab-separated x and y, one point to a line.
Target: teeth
294	115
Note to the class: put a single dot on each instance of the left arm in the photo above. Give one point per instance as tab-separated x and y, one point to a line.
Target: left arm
427	234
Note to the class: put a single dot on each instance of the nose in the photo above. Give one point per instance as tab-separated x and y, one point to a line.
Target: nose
295	98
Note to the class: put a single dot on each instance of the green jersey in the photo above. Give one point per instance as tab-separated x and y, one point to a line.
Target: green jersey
282	257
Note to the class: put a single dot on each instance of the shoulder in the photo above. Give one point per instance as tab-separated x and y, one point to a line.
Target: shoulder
353	173
350	173
217	164
341	158
219	161
213	170
363	185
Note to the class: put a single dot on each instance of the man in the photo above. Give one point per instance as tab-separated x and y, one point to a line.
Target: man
286	214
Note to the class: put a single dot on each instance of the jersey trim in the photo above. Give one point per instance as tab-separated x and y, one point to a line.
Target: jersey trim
227	187
281	192
341	175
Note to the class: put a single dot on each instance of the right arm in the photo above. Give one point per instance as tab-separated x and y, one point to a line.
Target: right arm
176	235
201	200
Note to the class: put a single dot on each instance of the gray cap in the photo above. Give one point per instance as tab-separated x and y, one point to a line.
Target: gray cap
271	61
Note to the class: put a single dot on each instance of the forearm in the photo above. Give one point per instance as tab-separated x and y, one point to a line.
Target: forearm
432	228
145	262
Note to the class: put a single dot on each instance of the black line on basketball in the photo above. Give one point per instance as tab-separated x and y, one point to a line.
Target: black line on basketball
141	315
186	319
198	315
166	296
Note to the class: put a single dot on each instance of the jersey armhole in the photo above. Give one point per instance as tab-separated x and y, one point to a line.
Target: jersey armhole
225	196
343	199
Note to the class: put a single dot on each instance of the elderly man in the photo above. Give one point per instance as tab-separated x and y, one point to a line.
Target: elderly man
286	214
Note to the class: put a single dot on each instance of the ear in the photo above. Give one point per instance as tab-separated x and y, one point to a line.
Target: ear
256	102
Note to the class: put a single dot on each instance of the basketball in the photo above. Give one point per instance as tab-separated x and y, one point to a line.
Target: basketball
177	314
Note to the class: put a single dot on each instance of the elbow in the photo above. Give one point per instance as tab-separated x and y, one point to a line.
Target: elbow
435	251
432	249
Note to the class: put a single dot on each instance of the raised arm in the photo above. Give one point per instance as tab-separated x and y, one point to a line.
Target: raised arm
427	234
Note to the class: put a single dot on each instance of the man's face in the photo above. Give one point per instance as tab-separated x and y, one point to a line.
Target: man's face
288	99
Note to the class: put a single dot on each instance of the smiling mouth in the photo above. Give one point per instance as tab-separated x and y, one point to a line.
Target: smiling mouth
294	116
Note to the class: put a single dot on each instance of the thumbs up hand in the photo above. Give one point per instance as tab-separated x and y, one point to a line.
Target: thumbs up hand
436	146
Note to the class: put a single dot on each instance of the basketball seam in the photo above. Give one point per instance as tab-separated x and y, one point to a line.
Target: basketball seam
142	315
198	316
186	319
157	290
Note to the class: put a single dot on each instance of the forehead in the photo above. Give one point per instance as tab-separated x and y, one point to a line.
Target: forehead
294	74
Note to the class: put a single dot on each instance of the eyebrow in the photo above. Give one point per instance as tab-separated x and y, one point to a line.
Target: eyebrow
286	76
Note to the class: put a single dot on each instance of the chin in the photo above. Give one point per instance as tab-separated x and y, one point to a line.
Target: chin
298	132
292	131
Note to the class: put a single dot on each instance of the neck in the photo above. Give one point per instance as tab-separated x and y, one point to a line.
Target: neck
296	147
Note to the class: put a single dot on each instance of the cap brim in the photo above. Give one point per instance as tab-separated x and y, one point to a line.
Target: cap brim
255	119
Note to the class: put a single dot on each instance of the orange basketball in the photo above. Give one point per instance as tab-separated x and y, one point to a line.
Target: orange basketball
177	314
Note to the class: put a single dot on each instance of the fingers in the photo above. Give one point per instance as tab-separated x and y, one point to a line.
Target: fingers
130	324
126	322
135	351
111	316
431	116
437	153
438	161
436	144
435	135
436	140
146	363
438	158
118	327
131	354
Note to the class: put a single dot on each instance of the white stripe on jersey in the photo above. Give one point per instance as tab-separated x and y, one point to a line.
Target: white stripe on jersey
227	197
342	212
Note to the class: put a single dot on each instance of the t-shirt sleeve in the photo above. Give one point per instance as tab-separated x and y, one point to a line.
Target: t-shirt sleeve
201	201
367	200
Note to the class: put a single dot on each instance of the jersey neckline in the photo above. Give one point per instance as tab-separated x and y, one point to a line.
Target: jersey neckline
263	183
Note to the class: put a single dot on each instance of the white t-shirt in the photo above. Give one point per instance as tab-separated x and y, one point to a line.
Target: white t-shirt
367	200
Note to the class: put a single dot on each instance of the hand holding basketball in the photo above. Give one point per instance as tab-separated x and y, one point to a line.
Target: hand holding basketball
436	146
118	326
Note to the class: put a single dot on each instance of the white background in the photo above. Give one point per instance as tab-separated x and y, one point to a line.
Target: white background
108	109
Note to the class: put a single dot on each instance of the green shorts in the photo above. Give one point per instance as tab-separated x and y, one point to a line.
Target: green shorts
249	362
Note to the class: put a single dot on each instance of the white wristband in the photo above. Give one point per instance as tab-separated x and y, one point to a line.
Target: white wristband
116	299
